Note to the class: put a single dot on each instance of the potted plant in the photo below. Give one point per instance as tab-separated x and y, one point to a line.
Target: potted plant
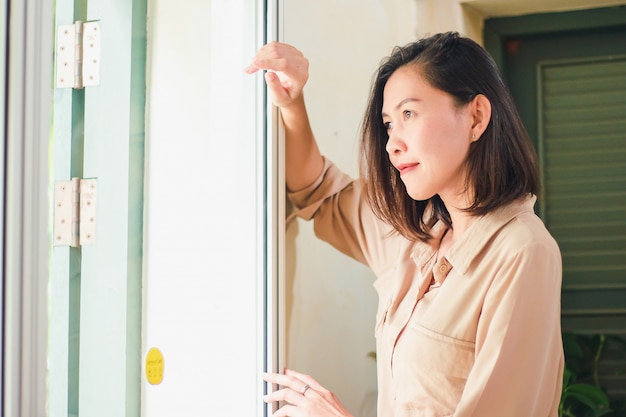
583	394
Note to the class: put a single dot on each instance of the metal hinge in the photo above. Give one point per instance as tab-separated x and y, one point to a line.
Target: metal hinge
75	212
78	55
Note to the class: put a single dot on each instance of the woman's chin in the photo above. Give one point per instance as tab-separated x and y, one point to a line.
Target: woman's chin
420	196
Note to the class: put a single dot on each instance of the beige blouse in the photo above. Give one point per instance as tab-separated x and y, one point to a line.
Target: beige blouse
475	335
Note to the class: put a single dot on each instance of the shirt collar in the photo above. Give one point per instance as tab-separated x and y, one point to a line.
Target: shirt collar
423	252
463	252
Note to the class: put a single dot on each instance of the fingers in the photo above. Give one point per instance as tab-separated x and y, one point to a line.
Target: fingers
287	395
276	56
292	394
279	93
288	411
294	389
289	381
298	401
307	379
287	71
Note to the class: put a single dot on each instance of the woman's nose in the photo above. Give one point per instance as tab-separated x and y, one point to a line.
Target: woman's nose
394	144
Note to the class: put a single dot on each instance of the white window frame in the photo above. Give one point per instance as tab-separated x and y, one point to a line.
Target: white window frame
26	102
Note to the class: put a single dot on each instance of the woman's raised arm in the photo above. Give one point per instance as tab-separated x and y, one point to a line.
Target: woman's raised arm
287	73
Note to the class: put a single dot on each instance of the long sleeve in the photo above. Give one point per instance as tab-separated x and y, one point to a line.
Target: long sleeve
344	219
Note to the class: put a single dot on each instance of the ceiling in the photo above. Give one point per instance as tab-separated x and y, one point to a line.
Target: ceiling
492	8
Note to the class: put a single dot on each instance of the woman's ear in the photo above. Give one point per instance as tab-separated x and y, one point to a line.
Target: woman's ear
481	115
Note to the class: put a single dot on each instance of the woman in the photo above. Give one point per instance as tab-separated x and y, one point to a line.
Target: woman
468	278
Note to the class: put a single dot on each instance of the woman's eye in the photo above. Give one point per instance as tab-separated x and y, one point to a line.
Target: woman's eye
388	125
407	114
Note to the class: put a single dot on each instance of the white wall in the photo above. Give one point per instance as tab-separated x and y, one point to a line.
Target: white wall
435	16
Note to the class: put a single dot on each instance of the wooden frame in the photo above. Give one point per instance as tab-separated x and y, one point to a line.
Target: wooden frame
497	30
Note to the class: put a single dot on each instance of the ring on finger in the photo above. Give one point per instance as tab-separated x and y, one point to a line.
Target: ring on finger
304	390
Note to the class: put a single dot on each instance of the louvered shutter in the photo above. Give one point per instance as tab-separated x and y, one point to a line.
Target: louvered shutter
582	147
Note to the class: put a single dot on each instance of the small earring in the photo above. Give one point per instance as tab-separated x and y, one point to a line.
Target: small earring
473	136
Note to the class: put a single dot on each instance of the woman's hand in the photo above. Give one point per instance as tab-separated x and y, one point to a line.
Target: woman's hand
303	397
287	72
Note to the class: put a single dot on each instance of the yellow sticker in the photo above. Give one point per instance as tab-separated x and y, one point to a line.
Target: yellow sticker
154	366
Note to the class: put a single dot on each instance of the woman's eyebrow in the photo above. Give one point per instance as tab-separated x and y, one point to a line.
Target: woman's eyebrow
401	103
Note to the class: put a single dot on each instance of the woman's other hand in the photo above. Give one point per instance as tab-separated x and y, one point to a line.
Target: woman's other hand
303	397
287	72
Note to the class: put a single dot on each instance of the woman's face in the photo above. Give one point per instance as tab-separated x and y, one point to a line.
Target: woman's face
429	136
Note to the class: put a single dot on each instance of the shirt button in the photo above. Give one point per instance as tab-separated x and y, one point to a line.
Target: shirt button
443	268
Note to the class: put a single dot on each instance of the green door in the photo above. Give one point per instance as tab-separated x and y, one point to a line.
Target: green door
95	288
567	73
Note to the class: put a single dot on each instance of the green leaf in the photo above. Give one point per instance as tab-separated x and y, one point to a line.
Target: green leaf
589	395
568	376
571	346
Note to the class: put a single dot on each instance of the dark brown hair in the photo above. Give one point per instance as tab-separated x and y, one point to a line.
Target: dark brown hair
501	166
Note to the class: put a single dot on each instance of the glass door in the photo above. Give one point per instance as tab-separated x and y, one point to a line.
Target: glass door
212	210
98	135
80	318
171	298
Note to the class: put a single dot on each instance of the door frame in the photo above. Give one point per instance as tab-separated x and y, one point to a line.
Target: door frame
26	103
498	29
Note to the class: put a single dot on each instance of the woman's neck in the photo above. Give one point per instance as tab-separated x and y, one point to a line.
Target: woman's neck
461	221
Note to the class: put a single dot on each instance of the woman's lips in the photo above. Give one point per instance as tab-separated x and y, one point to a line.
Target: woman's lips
404	168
